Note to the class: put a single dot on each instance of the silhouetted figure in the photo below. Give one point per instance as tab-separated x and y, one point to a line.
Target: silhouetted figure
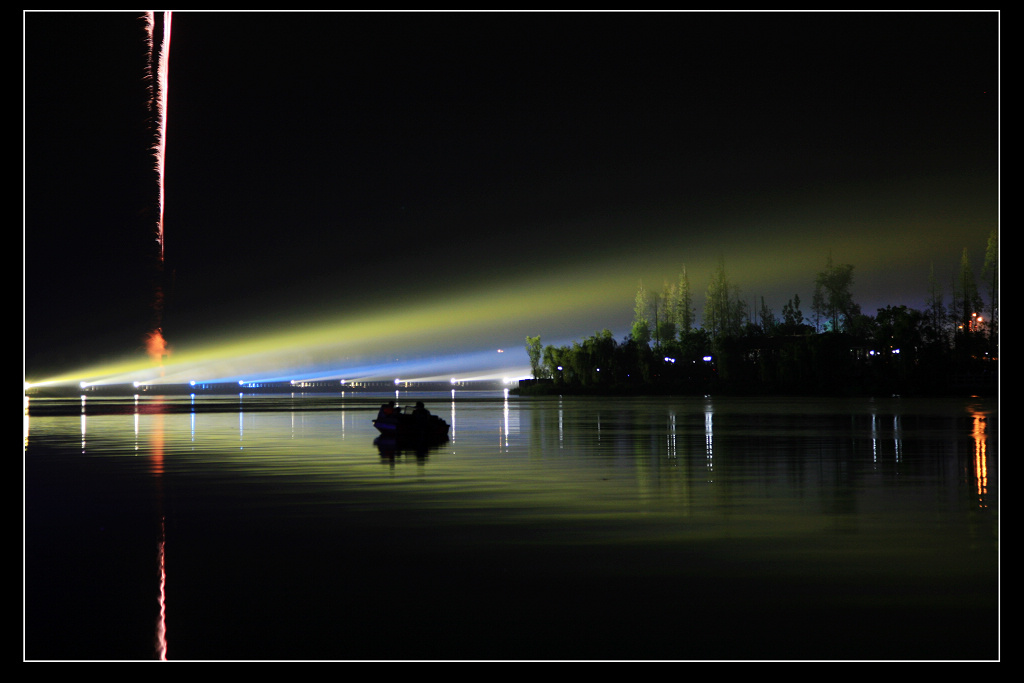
420	411
386	410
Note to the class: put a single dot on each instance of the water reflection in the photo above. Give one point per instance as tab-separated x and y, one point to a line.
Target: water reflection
451	418
561	424
394	450
156	448
897	437
161	625
670	440
510	423
612	507
877	436
980	458
83	427
709	438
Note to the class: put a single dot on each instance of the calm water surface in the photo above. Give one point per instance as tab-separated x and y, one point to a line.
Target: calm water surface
276	527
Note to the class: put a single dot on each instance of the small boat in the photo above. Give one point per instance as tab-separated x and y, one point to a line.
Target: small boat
416	425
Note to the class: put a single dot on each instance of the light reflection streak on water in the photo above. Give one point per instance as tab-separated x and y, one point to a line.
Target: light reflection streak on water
157	460
897	437
451	422
671	438
876	438
980	458
504	417
161	629
83	424
510	421
25	425
708	439
561	430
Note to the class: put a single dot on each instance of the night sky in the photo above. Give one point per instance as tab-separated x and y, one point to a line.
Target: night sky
432	185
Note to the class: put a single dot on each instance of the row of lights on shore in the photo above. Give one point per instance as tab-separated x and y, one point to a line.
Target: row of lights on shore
454	381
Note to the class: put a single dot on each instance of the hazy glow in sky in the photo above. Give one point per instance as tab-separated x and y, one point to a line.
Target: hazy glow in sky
427	191
457	331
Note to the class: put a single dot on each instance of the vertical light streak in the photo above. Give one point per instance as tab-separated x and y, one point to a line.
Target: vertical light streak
25	423
156	347
505	421
451	421
671	437
561	425
709	438
159	104
897	437
161	626
83	423
980	458
157	470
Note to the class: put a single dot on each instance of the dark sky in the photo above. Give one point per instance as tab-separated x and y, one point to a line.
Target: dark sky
429	171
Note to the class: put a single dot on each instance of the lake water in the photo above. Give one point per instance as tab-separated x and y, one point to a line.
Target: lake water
274	527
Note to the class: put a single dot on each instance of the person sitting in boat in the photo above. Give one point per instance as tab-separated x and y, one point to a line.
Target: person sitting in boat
386	410
420	410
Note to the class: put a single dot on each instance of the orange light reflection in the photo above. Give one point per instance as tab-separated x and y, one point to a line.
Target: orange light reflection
980	458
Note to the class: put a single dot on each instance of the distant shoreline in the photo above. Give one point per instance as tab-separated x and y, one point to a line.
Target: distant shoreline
983	387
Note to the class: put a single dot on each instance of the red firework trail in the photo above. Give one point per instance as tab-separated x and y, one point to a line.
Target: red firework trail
156	346
159	105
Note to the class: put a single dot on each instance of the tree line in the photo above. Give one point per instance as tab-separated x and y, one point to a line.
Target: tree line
833	348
